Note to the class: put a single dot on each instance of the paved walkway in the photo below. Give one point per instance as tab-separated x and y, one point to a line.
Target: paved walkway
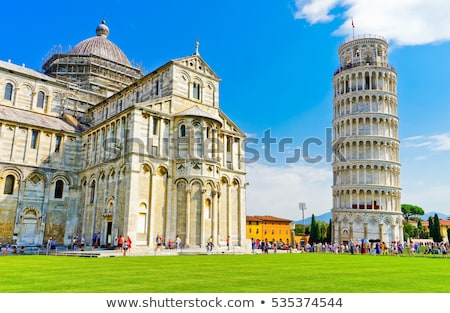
138	251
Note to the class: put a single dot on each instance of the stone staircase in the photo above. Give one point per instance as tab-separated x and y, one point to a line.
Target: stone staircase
92	252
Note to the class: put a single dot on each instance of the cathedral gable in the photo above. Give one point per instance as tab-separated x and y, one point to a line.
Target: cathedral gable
197	64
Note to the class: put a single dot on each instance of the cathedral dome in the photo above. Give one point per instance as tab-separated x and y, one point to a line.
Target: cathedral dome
101	46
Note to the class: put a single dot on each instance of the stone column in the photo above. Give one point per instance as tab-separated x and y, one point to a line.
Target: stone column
115	212
94	209
44	209
214	218
151	225
203	234
168	190
242	217
351	230
339	239
174	207
229	216
380	231
188	215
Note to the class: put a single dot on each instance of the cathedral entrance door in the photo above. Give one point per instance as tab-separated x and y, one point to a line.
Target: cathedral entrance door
28	234
109	233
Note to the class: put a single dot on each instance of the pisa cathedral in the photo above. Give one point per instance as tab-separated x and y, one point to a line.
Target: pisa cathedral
366	167
91	145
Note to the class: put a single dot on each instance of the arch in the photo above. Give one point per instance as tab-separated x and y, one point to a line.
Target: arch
123	170
40	103
92	190
11	170
194	181
9	185
358	219
182	131
9	91
112	171
388	220
237	181
101	175
83	181
373	220
147	168
197	86
67	180
162	170
59	189
181	182
186	76
224	180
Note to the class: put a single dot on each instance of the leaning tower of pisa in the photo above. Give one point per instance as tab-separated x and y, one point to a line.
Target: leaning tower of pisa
366	165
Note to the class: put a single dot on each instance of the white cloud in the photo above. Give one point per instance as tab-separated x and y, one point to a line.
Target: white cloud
315	11
439	142
402	22
277	191
442	142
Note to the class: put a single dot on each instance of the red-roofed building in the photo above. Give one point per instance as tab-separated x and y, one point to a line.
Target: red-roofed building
444	225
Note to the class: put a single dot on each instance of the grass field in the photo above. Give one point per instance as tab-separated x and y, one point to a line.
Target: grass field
273	273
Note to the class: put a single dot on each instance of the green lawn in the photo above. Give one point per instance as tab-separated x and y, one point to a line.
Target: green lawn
273	273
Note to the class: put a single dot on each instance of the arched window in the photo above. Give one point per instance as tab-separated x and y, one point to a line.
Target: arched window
92	193
40	99
9	185
196	91
59	188
8	91
182	131
155	126
34	139
57	143
137	96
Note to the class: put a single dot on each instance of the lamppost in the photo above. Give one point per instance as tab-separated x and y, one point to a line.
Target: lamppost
302	206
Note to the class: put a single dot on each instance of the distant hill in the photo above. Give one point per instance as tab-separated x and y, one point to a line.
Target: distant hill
324	218
327	216
441	216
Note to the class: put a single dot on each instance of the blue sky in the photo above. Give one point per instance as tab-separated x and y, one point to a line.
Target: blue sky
276	60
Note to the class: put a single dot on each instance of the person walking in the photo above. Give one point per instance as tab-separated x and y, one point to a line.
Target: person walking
209	245
125	248
120	242
443	250
49	244
178	243
129	244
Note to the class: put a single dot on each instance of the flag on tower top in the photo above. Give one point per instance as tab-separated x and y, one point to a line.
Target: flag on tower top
353	25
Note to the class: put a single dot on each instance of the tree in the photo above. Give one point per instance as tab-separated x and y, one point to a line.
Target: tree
420	229
314	235
409	210
431	227
328	238
437	229
299	229
322	226
409	231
